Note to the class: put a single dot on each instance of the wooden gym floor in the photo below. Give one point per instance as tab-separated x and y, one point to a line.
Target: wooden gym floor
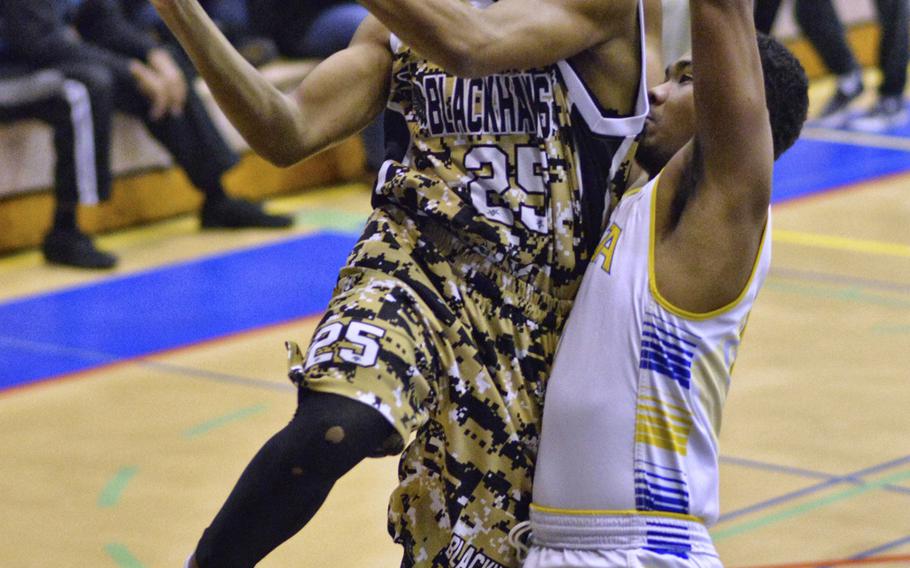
131	401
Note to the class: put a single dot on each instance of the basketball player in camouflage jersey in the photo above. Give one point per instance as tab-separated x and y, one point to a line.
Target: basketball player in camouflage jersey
508	125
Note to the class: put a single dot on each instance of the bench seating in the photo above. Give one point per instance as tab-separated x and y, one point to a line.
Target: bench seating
147	187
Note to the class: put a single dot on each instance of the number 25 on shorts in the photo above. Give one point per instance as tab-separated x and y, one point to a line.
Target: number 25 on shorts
363	335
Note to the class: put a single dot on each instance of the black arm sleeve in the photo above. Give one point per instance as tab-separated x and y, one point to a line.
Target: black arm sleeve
103	23
38	35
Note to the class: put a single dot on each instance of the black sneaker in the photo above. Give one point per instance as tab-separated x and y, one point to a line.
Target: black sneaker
836	111
74	248
888	113
232	213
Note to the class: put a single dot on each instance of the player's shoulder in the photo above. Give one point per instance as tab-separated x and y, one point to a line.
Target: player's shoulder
372	31
634	195
635	203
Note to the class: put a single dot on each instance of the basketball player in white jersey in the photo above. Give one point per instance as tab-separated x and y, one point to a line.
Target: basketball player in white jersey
627	472
508	123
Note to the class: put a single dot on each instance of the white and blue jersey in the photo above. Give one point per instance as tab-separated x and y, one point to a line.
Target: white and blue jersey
629	452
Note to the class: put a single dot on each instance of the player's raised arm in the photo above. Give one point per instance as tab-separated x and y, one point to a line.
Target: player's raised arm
712	206
336	99
654	41
732	128
509	34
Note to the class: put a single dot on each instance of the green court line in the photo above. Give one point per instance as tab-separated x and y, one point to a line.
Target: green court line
332	219
111	493
808	507
852	294
891	329
215	423
122	556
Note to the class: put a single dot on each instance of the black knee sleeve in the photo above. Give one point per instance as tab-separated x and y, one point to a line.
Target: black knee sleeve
339	432
290	477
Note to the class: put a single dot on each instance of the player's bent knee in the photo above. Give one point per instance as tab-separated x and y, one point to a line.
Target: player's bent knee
338	431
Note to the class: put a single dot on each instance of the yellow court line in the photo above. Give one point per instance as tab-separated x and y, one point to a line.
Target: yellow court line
841	243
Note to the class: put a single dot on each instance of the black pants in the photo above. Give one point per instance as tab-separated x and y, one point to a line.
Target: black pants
81	171
820	23
192	138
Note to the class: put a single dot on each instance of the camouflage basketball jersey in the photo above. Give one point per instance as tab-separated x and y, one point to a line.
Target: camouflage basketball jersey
520	165
447	315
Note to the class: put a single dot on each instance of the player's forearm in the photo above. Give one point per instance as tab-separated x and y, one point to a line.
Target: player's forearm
732	122
268	120
728	75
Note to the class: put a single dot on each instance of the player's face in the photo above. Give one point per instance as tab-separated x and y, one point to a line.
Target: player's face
671	122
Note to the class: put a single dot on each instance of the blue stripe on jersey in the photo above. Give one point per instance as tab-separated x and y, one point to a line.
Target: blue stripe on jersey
669	544
683	380
644	491
654	475
665	489
684	331
668	525
669	334
666	538
664	343
656	492
656	355
649	501
681	365
679	554
671	537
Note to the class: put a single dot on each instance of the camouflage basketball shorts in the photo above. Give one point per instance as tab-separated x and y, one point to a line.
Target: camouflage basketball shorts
450	348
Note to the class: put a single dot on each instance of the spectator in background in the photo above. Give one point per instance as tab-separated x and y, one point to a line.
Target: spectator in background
93	46
64	105
316	29
231	16
819	21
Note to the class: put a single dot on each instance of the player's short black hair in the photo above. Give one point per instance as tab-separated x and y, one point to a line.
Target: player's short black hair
786	92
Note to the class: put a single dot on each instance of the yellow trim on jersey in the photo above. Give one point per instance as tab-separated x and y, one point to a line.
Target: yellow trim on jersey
742	336
599	513
652	278
662	430
651	436
663	403
631	192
